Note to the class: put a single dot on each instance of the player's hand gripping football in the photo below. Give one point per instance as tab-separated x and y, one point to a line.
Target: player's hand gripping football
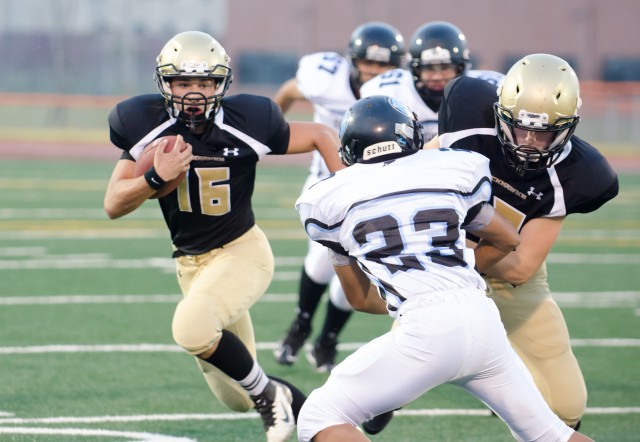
169	164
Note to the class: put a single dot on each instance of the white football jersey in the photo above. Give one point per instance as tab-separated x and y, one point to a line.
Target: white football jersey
323	79
401	220
398	83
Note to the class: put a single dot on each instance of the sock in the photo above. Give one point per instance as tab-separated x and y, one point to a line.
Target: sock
334	322
309	294
233	359
256	382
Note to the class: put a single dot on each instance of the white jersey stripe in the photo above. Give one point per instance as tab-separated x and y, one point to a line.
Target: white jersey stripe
449	138
137	149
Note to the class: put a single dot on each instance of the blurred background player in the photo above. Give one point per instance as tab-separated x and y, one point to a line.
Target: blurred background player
224	262
438	53
331	82
541	173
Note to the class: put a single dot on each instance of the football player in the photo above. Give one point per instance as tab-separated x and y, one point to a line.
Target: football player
438	53
395	221
331	83
541	173
223	260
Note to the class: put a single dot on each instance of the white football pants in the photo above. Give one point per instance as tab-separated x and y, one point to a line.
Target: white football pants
445	337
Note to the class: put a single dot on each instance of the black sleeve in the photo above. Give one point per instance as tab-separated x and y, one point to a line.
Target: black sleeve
116	130
279	142
261	119
467	104
590	179
443	113
126	156
132	119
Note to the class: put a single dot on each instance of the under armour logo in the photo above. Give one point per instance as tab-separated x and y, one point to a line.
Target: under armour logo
532	193
226	152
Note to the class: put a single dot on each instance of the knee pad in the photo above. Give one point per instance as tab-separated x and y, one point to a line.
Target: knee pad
317	264
337	296
193	328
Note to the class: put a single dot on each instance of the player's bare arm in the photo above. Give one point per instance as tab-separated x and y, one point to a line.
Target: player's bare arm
288	94
537	237
360	293
126	192
433	143
305	137
498	239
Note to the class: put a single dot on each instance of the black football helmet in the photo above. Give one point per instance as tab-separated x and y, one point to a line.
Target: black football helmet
375	41
537	111
437	43
378	128
193	54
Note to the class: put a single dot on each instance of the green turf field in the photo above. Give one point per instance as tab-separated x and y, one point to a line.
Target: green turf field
86	352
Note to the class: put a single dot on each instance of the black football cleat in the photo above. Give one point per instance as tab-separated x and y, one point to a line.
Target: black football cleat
377	423
287	351
322	356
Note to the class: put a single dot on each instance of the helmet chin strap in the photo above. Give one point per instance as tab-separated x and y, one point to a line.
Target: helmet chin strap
192	121
192	124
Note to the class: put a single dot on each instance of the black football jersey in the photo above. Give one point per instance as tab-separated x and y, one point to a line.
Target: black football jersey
212	206
579	182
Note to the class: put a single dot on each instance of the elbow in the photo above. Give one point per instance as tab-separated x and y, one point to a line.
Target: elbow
512	241
111	214
513	244
517	280
519	277
358	305
112	210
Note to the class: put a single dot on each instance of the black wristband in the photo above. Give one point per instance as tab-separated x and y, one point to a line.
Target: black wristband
153	179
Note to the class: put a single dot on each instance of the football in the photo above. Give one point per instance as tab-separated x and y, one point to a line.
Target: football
145	162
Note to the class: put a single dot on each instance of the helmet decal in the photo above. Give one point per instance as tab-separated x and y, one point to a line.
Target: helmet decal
378	53
401	107
380	149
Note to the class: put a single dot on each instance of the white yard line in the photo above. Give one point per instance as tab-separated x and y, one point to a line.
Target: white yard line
254	415
608	299
82	432
263	346
274	233
39	260
148	213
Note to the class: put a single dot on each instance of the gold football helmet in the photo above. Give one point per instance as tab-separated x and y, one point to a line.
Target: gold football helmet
537	111
193	54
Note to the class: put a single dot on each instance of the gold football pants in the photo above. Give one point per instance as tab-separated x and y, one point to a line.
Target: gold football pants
538	332
219	288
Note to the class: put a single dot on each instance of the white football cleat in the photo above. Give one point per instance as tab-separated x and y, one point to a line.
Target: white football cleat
274	407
